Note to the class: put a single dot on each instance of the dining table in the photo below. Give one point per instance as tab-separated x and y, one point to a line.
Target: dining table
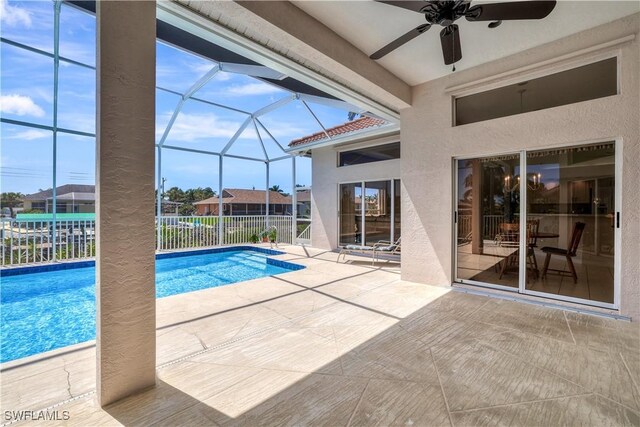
545	235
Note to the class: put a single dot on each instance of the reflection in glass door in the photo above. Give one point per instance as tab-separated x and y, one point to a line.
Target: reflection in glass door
571	198
565	249
488	221
350	214
369	212
396	209
377	218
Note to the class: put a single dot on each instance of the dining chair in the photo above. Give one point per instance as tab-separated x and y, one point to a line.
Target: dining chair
533	226
513	258
568	253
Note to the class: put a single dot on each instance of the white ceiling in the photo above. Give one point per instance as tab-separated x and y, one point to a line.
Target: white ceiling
369	25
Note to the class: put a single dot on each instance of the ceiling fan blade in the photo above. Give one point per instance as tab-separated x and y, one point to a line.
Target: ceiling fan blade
510	10
400	41
413	5
450	39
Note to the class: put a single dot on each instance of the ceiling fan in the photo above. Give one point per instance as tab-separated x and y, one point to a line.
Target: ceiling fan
446	12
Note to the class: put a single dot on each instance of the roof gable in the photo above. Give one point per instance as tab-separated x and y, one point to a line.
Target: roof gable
241	195
353	126
63	189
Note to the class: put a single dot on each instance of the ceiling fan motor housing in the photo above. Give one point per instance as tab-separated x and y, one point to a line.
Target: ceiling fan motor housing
446	12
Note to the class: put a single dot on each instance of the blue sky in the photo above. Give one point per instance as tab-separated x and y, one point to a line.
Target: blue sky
27	95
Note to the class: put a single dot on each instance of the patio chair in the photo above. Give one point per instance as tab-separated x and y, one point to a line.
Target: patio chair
385	247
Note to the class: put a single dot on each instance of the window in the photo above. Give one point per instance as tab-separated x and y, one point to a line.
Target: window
380	202
370	154
591	81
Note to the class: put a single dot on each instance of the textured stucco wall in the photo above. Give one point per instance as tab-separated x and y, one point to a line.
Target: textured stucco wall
429	142
125	259
326	178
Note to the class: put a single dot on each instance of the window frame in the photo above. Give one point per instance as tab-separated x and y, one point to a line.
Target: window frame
368	146
556	65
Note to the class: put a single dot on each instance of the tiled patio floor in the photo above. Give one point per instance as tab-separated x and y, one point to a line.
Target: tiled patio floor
338	344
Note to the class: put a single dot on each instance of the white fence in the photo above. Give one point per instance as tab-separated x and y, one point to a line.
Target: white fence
490	226
29	242
303	231
184	232
242	229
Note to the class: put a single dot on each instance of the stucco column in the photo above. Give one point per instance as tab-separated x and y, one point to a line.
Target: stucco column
125	258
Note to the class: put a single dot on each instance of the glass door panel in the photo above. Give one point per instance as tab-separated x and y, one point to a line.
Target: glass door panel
571	198
488	220
396	209
377	218
350	214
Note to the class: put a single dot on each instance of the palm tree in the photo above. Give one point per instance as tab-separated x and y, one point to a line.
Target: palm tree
174	194
11	200
277	189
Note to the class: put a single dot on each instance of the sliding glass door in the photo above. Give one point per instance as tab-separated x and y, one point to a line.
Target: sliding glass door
396	209
488	215
377	207
350	214
369	212
540	222
571	201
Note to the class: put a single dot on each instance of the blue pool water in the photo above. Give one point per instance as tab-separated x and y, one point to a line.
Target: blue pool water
48	310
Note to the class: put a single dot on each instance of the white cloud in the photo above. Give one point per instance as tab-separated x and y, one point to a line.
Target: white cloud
20	105
79	51
167	71
201	68
83	120
252	89
191	127
13	15
223	77
31	134
282	129
44	93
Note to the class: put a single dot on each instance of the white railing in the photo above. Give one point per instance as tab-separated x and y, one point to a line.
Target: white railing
464	228
284	225
490	226
29	242
305	234
185	232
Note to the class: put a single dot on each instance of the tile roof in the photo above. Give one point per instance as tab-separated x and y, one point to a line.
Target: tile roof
240	195
304	196
76	195
63	189
345	128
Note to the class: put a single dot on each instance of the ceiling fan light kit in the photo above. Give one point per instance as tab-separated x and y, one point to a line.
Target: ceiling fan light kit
446	12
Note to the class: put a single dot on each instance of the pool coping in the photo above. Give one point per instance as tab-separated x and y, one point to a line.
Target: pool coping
11	364
46	355
69	265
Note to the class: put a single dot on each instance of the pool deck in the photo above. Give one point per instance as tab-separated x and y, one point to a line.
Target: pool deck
351	344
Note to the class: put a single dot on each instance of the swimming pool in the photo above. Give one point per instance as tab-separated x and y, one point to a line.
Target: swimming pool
45	310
